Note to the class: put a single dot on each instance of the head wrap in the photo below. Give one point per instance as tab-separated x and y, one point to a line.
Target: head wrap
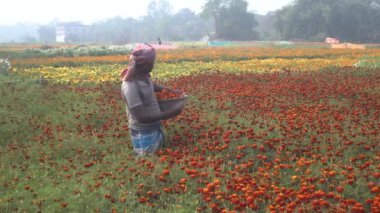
142	56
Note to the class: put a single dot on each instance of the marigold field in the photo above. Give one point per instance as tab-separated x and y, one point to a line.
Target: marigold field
263	130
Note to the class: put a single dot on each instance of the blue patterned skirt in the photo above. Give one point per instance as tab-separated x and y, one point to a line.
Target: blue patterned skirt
147	141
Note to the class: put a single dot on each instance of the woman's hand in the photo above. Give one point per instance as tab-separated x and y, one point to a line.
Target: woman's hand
174	111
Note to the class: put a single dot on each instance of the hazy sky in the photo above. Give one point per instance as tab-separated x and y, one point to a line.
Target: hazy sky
87	11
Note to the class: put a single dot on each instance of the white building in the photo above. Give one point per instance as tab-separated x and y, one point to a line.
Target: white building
70	32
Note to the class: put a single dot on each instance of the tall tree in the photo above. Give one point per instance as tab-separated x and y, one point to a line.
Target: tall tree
186	25
349	20
232	20
158	21
355	20
46	34
159	8
115	30
305	19
212	9
265	26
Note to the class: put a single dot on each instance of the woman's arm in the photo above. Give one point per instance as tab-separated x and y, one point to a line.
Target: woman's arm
158	88
148	117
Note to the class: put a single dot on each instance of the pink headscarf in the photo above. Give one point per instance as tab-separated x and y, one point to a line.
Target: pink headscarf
142	54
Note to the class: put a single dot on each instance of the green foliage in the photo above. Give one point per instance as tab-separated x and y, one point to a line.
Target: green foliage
265	27
79	51
369	62
46	34
73	51
232	20
236	23
186	25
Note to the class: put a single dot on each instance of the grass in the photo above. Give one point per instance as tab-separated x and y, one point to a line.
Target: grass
66	147
369	62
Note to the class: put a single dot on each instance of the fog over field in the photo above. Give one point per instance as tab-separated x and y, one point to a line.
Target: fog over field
43	11
122	22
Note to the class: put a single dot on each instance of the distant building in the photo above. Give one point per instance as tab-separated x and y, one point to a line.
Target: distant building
332	40
70	32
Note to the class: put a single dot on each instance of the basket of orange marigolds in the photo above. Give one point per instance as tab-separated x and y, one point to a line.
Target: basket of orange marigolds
166	99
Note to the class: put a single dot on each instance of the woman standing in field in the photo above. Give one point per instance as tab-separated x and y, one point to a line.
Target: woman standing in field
143	111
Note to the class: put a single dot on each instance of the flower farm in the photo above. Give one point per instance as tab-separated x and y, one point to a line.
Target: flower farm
263	130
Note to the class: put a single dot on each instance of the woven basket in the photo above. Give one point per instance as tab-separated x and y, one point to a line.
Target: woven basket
166	104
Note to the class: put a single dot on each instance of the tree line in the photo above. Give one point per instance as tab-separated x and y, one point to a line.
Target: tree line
302	20
348	20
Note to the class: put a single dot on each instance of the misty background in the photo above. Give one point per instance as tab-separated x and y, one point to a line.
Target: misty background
218	20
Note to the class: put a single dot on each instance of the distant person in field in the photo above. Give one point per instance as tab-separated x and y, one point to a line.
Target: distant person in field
142	108
159	41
